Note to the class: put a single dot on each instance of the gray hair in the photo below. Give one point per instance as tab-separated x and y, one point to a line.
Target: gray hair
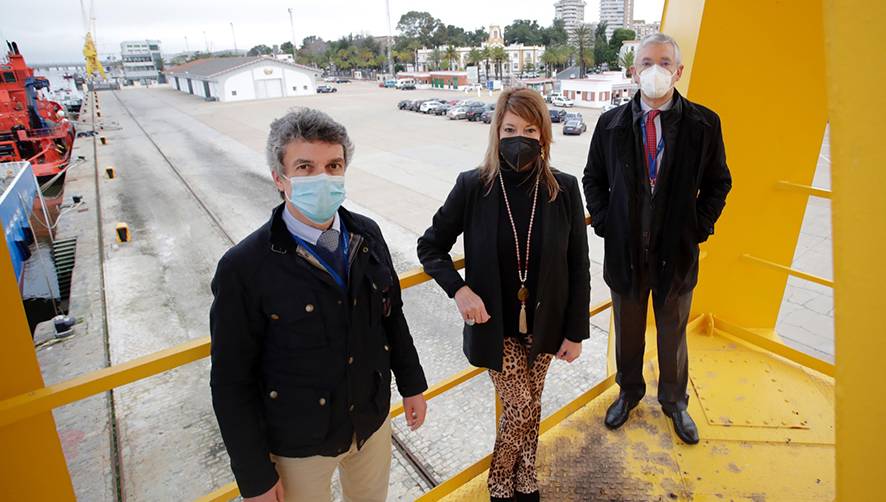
304	124
658	38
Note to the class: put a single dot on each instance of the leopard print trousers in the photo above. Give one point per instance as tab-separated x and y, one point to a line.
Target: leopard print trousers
519	387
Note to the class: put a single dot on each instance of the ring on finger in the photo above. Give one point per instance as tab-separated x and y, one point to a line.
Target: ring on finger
469	322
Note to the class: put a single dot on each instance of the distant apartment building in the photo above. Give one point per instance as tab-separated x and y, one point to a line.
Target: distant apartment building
572	12
616	14
142	61
642	28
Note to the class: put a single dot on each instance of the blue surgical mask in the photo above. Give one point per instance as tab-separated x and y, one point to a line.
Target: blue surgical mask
317	197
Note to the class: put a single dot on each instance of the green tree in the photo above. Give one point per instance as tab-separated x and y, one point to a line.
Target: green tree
475	57
451	54
486	53
260	50
524	31
619	36
555	34
603	53
581	37
499	56
419	26
477	37
436	58
627	62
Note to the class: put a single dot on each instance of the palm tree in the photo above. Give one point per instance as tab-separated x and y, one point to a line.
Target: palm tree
436	57
486	53
451	54
498	55
582	38
627	62
474	57
550	59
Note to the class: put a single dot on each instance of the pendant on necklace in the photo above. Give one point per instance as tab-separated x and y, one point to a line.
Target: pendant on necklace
523	294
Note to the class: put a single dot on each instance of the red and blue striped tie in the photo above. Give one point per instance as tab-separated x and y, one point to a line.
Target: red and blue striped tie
651	145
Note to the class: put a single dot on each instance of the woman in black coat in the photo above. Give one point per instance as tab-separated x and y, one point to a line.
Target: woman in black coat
526	291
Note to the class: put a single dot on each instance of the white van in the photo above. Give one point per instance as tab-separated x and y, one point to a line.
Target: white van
404	81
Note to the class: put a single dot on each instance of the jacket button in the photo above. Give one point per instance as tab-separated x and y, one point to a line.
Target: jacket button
351	408
351	360
374	286
387	348
365	249
275	317
272	394
309	308
339	302
322	401
355	302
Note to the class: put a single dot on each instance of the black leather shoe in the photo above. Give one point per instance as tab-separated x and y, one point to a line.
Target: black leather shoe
618	412
684	426
527	497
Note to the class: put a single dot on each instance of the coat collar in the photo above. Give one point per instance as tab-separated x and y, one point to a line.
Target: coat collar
280	238
629	113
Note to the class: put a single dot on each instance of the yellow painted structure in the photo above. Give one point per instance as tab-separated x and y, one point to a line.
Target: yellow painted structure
853	43
765	411
32	466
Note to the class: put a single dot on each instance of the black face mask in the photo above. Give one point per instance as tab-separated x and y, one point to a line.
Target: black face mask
519	152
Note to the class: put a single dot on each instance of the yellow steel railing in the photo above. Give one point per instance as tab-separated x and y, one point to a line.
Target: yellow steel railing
29	404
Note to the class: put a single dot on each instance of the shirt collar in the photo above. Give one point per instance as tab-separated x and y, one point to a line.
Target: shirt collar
665	107
304	231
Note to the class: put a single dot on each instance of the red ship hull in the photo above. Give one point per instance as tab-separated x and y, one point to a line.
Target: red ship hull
32	128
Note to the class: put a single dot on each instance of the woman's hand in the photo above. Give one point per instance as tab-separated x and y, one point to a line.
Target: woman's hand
471	306
569	351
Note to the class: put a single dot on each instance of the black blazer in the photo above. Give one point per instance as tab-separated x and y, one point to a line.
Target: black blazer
688	200
564	286
300	366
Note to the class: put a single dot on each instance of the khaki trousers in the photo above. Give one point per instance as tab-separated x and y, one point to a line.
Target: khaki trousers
364	474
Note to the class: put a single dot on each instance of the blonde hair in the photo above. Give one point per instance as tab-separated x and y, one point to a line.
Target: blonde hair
530	106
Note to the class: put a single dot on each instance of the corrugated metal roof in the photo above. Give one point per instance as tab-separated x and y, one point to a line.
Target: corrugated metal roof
211	67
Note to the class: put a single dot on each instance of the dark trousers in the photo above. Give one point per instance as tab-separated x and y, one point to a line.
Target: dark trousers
671	318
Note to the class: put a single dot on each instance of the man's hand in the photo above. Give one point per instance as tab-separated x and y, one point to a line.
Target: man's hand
470	306
275	494
415	409
569	351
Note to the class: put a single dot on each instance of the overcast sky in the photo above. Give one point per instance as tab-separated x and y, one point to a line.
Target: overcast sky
52	30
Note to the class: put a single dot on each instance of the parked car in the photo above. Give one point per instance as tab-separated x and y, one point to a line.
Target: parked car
404	103
428	106
442	109
342	80
553	95
609	106
416	105
329	79
574	116
487	116
325	89
407	87
574	127
473	113
390	83
557	116
457	113
561	101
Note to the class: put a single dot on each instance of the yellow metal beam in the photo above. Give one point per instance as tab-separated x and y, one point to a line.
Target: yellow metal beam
444	386
767	140
44	399
778	348
32	464
853	44
806	189
790	271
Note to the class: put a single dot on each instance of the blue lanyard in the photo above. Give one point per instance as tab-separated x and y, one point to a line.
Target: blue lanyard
345	250
651	160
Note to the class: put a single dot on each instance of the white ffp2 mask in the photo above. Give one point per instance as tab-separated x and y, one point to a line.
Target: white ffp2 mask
655	81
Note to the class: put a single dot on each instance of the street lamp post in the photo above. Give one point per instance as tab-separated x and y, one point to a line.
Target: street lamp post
234	36
292	28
